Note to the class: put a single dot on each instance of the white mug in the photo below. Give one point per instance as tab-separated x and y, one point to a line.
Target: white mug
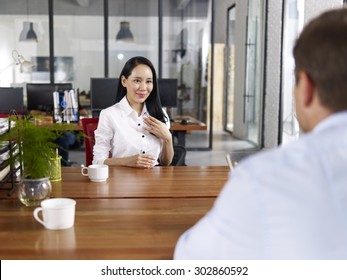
57	213
96	172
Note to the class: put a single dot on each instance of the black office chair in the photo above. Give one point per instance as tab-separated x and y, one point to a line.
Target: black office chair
179	156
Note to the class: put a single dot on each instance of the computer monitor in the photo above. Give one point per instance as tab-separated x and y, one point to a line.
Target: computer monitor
40	96
168	92
103	93
11	98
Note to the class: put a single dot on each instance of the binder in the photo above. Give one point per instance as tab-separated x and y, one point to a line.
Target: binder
65	106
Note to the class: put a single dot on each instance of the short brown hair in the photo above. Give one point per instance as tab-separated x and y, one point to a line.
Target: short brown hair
321	51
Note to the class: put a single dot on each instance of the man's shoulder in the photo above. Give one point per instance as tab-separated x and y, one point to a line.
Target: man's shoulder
269	160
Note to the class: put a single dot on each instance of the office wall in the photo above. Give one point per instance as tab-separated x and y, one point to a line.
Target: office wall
272	73
314	7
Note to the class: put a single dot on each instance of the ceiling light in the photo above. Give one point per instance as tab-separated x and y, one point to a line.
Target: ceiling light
28	33
124	33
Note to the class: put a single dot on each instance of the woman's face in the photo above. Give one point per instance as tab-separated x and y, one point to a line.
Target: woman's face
139	84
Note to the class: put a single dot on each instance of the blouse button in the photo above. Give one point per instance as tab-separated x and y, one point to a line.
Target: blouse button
143	152
143	136
138	124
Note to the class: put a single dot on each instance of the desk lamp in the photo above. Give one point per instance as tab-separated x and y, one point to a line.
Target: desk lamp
25	65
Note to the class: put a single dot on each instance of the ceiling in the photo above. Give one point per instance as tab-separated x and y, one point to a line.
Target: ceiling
193	8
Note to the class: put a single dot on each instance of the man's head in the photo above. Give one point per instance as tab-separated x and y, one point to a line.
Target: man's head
320	55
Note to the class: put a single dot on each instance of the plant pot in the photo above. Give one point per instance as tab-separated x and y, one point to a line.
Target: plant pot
55	169
32	191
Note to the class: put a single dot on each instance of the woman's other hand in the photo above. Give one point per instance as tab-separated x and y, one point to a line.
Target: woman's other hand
142	161
157	128
138	160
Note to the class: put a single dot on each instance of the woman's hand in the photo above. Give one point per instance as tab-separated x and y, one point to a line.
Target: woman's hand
142	161
139	161
160	130
157	128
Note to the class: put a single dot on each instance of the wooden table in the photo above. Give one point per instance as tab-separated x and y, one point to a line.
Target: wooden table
159	182
137	214
104	229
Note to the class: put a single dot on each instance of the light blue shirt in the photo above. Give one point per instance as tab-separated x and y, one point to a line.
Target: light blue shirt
288	203
121	133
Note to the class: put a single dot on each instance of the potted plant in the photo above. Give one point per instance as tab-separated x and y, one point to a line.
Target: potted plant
36	148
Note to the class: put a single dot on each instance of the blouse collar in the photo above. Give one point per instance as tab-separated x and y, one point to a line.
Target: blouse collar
125	106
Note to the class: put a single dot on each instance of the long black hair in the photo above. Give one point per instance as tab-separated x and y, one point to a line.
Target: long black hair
153	104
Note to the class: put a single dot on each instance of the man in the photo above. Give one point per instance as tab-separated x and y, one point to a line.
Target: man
291	203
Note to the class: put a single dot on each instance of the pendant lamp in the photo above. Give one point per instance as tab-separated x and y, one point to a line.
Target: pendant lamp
124	33
28	33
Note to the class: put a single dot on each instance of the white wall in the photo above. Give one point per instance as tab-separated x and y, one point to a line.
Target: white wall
314	7
272	73
239	129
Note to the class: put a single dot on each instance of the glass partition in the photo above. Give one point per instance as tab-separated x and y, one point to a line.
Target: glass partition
138	19
78	43
253	95
293	23
230	76
174	35
24	36
186	50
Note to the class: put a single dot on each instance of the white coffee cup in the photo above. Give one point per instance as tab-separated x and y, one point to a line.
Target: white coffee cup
96	172
57	213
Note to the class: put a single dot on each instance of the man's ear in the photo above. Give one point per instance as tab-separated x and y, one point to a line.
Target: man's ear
307	88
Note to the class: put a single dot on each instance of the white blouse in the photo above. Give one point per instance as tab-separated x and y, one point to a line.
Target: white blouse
121	133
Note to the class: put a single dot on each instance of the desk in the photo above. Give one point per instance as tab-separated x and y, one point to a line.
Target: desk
47	121
139	215
180	130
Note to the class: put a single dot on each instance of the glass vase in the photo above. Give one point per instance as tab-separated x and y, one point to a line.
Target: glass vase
32	191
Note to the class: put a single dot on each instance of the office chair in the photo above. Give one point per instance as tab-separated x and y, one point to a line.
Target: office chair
179	156
89	126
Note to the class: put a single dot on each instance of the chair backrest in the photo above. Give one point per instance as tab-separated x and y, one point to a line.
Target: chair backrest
179	155
89	126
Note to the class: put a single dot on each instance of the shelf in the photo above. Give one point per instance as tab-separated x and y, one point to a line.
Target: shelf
10	167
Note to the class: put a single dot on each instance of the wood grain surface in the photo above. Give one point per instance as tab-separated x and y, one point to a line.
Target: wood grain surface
127	229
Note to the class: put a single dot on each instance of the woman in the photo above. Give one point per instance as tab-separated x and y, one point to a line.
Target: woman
135	131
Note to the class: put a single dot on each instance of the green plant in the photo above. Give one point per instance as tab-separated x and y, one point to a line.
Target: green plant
36	144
